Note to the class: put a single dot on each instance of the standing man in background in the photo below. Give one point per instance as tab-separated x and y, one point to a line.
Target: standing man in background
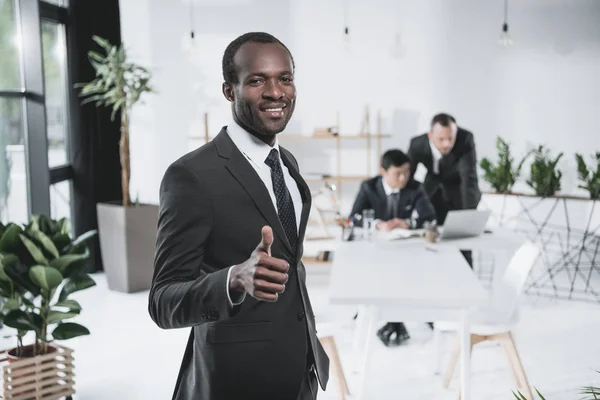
448	153
231	227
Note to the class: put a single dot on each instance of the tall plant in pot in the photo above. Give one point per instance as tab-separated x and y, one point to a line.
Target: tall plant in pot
503	175
589	175
128	232
545	176
119	84
41	266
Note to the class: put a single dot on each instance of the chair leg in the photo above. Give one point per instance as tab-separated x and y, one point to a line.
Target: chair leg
455	356
516	364
437	349
452	365
331	350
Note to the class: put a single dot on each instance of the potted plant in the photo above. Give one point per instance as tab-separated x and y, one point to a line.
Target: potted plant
40	267
128	230
545	176
589	176
591	392
503	175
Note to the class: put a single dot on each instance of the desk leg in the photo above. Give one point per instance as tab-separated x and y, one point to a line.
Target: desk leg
371	314
465	358
359	339
361	326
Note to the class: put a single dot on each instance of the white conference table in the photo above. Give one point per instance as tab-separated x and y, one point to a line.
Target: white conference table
412	280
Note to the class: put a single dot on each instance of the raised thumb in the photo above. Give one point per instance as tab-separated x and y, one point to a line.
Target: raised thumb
267	239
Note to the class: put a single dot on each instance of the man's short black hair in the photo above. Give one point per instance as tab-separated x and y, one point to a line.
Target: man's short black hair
443	119
229	69
394	158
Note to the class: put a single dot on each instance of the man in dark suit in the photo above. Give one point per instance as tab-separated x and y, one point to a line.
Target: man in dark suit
398	202
232	220
448	153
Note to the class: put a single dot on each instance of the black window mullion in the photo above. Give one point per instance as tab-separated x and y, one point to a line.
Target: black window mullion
53	12
38	176
62	173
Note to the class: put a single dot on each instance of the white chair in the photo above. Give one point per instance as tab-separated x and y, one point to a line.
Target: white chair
494	321
326	332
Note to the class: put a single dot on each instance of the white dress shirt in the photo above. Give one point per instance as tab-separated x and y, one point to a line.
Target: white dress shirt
256	152
437	156
388	191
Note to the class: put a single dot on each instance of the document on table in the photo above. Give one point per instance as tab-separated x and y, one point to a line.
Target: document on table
403	234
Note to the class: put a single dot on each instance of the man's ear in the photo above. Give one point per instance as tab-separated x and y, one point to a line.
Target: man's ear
228	91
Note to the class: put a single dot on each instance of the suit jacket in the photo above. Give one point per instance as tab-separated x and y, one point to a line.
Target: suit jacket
412	197
457	181
212	208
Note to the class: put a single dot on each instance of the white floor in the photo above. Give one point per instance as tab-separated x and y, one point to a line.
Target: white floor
128	357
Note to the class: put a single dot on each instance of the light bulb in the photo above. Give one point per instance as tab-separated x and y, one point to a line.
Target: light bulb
190	46
505	39
346	39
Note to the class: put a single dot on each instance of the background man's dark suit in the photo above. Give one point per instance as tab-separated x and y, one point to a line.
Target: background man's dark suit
412	197
212	208
456	186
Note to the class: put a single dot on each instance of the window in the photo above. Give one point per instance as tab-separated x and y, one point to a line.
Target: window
55	85
35	170
13	173
60	200
9	50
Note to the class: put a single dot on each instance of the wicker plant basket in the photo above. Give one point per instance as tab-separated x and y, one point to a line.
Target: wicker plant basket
44	377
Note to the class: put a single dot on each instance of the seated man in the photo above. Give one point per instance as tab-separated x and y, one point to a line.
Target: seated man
396	198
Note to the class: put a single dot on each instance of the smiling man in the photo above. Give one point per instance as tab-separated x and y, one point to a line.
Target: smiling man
232	220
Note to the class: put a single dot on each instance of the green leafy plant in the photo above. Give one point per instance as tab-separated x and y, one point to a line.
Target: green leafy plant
591	392
545	176
503	175
118	84
589	176
36	260
520	395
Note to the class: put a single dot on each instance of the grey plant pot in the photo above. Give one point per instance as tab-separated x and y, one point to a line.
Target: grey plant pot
127	238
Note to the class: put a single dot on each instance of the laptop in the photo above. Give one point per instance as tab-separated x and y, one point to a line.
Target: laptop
464	223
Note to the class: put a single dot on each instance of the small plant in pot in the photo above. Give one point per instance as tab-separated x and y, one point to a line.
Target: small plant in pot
40	267
590	176
545	176
503	175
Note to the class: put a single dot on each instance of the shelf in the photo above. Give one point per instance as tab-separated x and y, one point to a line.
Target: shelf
313	260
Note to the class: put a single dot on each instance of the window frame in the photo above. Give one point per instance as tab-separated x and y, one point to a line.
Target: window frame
39	175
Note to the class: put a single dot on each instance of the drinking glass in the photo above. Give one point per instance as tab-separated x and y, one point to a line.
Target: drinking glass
368	219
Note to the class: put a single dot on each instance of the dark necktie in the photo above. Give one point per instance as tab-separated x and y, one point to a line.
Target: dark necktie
285	205
393	205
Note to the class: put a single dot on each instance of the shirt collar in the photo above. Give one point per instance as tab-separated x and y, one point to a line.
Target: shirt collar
253	148
437	155
388	190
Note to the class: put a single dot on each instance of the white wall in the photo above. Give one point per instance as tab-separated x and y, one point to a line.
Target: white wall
545	89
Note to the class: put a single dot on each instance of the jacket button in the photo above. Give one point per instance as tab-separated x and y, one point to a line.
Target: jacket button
300	316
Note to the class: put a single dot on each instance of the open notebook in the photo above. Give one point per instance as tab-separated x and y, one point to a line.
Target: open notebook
403	234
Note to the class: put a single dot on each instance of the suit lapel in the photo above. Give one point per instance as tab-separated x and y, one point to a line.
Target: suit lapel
304	192
247	177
